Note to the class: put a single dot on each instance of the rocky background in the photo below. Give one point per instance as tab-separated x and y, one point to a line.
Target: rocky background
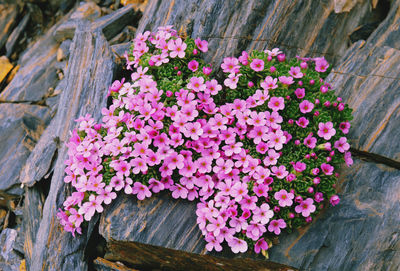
58	58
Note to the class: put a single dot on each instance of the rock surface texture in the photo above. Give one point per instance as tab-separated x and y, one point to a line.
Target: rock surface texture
66	73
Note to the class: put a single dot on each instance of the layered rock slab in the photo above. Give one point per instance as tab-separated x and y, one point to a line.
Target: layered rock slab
233	26
20	129
85	92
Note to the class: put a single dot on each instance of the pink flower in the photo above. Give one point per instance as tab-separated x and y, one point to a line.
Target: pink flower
212	243
261	190
257	65
263	214
273	52
207	70
327	169
106	195
89	208
285	198
272	158
196	84
230	65
237	245
310	141
321	65
255	230
116	86
299	166
216	224
276	225
201	44
238	190
232	80
177	48
334	200
347	158
302	122
141	191
193	130
306	207
326	130
276	103
300	93
286	80
295	72
212	87
306	106
269	83
342	145
280	172
244	58
319	197
261	244
193	65
344	126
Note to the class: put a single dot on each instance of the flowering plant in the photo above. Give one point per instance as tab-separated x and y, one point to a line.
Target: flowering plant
260	152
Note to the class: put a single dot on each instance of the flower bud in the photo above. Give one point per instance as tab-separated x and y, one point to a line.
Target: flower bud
276	209
316	180
195	52
310	190
168	93
269	58
312	82
272	69
303	65
250	84
281	57
324	89
334	200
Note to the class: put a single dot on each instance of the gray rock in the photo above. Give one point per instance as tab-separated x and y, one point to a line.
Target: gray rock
361	233
114	22
63	50
368	79
8	16
32	213
13	38
233	26
85	92
20	129
9	259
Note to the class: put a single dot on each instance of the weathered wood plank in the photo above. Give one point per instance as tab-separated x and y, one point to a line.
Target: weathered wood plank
147	256
85	92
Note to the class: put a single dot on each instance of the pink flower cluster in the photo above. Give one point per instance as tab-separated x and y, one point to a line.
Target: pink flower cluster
154	139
